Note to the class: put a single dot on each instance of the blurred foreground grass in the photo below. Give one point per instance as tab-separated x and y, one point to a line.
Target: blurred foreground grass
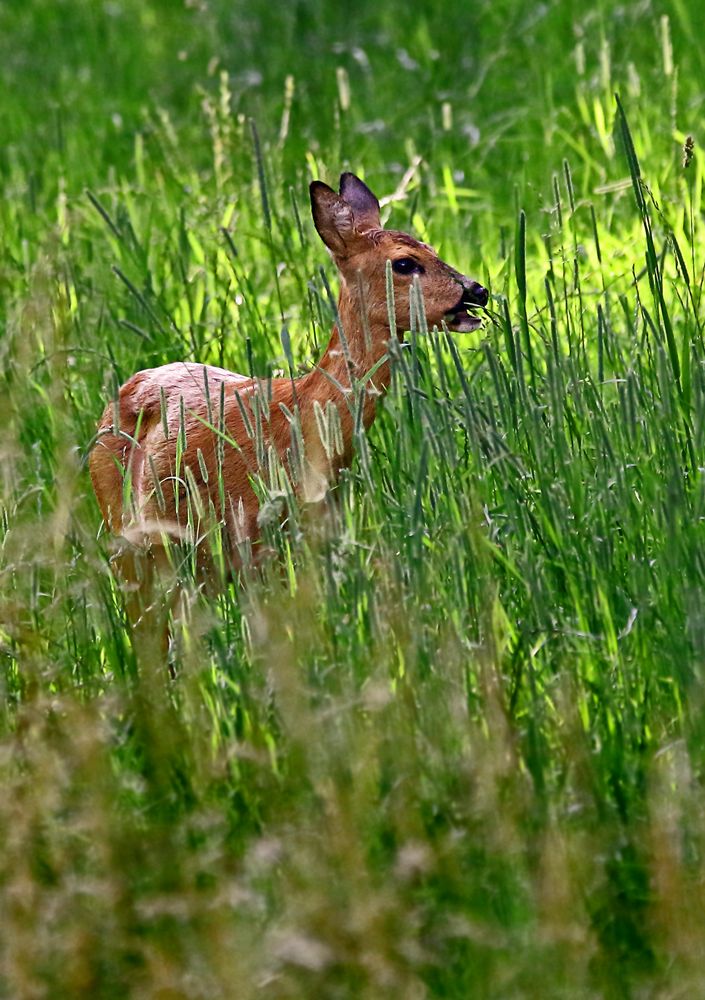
451	742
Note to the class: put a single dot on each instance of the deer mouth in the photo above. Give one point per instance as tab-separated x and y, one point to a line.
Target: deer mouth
463	318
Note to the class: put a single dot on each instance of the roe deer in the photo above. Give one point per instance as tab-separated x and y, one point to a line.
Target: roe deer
187	429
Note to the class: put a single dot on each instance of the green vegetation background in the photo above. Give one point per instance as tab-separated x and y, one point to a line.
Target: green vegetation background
450	744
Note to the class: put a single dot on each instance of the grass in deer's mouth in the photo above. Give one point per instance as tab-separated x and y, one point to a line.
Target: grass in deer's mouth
467	315
463	320
449	742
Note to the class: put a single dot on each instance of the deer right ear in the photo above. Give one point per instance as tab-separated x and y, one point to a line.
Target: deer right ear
363	203
332	217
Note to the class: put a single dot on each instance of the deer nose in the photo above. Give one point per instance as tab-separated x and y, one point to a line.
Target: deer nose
476	294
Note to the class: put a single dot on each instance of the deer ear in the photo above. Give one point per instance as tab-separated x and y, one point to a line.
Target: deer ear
363	203
332	217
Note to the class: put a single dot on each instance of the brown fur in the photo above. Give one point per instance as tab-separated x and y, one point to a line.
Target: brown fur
349	225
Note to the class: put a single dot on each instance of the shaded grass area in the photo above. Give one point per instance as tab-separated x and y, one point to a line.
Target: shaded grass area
450	741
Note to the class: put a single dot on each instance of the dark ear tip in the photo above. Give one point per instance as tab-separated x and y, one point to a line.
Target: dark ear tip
357	193
318	187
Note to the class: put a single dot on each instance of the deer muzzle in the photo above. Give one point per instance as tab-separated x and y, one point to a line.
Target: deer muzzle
462	317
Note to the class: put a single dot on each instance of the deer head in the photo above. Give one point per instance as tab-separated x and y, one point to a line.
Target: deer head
349	225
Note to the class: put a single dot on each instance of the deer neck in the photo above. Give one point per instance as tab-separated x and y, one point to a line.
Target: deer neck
352	353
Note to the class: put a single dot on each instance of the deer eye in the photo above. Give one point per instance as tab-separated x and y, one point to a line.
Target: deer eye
406	265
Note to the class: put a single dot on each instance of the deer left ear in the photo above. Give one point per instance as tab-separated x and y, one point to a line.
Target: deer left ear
332	217
361	200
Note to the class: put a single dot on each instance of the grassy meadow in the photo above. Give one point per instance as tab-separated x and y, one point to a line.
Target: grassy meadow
450	740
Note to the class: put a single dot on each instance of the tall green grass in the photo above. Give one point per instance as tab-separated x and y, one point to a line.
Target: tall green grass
448	742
